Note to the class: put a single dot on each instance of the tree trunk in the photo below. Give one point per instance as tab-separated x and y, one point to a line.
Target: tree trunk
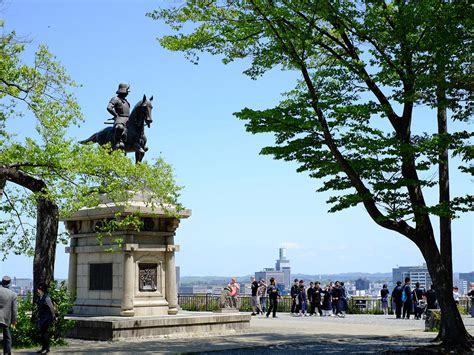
453	333
47	223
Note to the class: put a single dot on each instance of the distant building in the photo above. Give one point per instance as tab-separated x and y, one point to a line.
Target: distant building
362	284
467	276
178	276
281	273
415	273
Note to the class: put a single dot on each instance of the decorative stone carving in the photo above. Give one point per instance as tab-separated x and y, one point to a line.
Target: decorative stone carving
147	277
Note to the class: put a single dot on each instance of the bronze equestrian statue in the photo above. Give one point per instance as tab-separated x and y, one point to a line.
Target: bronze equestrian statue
128	131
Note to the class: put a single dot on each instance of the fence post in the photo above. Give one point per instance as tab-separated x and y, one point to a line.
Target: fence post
207	302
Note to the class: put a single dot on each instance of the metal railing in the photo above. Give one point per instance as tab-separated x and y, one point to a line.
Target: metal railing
356	305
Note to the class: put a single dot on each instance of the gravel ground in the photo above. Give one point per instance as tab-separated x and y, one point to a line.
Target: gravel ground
355	334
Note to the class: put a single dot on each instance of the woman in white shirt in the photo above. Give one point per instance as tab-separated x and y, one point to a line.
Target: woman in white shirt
456	294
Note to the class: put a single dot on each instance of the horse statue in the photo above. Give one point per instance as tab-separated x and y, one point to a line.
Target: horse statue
136	139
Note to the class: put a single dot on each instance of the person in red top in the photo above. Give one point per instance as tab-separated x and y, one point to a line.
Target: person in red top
234	293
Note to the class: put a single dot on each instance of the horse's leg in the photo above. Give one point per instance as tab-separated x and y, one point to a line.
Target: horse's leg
139	156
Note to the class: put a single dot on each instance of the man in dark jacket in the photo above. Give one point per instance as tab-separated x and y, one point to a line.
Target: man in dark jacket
8	313
273	296
310	298
397	299
408	303
431	298
294	298
317	300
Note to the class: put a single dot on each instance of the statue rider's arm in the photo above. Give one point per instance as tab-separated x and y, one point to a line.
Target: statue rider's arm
111	107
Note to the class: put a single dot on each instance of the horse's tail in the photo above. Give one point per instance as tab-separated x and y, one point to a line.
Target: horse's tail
91	139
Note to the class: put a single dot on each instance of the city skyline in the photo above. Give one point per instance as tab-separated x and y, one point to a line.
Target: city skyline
244	205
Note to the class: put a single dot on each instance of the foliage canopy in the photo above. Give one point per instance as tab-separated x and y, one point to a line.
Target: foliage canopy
46	162
365	66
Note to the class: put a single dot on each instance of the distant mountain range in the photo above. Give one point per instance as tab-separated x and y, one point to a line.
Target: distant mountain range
349	276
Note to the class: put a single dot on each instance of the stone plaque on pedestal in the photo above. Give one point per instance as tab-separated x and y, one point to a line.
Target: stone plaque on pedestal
134	278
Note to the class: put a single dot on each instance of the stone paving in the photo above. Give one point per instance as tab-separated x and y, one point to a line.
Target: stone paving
356	334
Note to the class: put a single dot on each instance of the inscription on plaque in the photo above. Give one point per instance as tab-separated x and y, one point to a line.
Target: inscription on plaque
147	277
100	277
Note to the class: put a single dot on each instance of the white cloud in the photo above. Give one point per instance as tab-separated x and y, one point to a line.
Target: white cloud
289	245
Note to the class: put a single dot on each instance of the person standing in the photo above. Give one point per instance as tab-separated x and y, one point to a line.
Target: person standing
342	300
8	313
234	291
309	294
418	294
294	297
456	295
408	302
397	299
119	108
327	301
45	316
384	293
431	298
471	295
317	297
273	296
336	294
302	299
255	301
262	294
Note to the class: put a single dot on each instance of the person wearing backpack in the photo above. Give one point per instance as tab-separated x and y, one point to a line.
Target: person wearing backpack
407	298
397	299
46	315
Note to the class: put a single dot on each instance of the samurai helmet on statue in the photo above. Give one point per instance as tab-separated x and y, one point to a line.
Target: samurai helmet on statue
123	88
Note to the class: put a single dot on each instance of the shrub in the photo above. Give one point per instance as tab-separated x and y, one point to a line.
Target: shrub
26	332
462	310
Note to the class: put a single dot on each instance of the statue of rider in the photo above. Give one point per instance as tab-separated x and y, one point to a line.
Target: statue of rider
119	108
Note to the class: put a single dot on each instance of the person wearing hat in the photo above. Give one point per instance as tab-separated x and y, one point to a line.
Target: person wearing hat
119	108
8	313
45	316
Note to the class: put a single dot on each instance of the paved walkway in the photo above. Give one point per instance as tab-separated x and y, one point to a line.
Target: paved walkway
289	335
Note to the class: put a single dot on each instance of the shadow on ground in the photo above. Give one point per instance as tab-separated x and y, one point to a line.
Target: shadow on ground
264	343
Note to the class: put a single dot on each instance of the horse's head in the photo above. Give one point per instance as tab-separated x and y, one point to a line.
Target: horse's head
141	113
147	106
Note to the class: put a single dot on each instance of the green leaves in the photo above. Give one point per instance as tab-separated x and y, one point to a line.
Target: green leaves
364	67
56	166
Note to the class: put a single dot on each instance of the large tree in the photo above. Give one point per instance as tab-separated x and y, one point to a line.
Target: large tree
44	173
367	68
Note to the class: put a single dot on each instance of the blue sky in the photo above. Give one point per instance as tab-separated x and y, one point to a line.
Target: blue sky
245	206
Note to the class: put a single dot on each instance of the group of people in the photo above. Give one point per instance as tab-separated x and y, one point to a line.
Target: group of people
9	312
408	301
330	300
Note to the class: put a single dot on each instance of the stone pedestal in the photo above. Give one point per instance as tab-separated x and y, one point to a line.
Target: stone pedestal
128	273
